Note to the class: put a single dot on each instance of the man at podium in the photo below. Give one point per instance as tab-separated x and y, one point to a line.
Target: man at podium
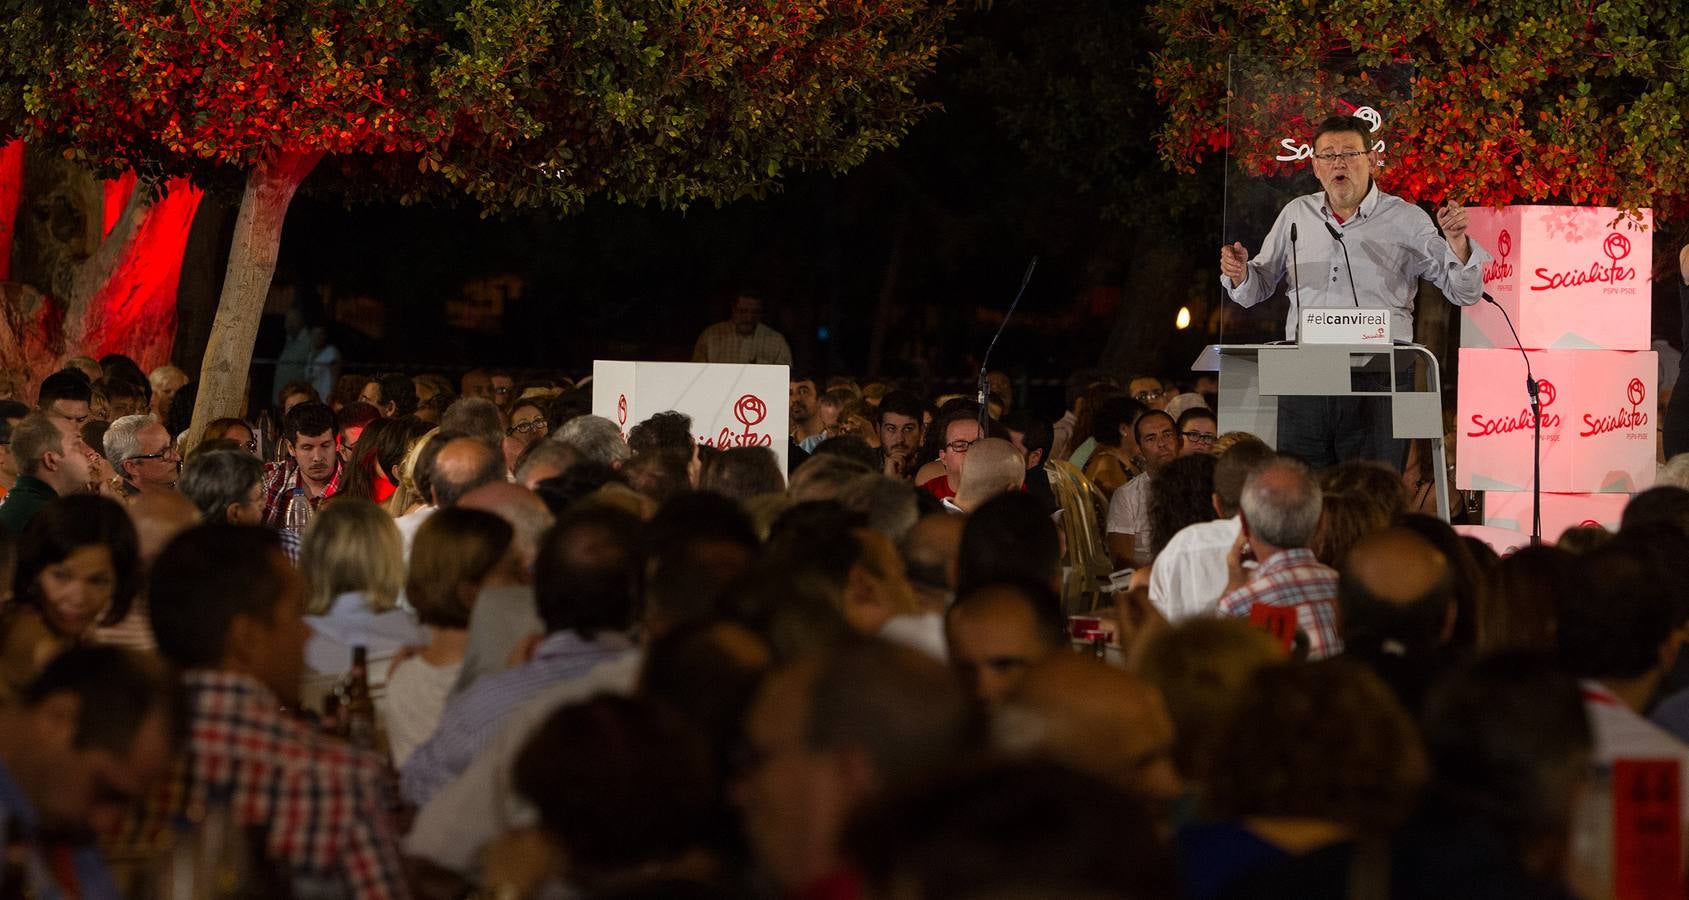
1391	244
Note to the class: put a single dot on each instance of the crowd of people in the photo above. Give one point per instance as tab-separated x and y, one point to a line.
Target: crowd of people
437	639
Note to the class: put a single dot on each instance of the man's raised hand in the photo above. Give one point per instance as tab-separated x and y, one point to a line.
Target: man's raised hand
1452	219
1234	263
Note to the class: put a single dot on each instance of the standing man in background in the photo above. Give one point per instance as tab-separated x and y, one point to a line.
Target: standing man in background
743	339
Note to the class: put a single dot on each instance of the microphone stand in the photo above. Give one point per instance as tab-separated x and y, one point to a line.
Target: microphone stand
1531	388
985	386
1338	236
1295	273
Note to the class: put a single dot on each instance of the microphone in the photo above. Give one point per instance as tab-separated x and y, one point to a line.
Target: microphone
1531	388
1295	275
1338	237
984	386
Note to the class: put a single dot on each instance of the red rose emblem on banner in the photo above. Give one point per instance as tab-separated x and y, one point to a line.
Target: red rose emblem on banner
622	409
1504	243
750	410
1588	523
1636	392
1617	246
1545	392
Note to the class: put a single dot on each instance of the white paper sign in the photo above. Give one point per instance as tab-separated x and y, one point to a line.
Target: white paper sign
731	405
1344	325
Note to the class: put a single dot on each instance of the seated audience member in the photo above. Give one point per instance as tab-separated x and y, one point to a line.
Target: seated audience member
1509	748
1008	537
1620	636
998	631
1521	597
64	396
1018	830
743	472
1031	435
586	586
542	460
52	462
77	568
455	553
900	430
11	413
1198	428
1113	458
658	474
959	431
1664	505
1280	512
1181	495
230	429
829	733
1580	539
110	399
504	614
310	463
527	427
1128	532
849	446
91	734
1093	717
888	505
355	566
392	394
1313	755
1396	610
1344	520
158	517
227	610
624	788
991	467
143	455
462	465
822	477
596	439
413	502
1190	570
350	423
1369	480
929	553
293	394
1463	568
165	382
1201	667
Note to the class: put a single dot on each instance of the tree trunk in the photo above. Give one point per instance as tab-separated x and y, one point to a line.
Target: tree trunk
95	265
223	376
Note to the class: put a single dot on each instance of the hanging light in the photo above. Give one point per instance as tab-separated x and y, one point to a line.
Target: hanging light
1183	320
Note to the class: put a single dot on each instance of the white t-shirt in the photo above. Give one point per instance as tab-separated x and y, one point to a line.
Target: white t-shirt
1190	573
416	695
1128	513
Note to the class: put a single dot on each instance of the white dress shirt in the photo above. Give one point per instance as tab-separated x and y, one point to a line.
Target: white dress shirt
1128	513
1392	244
1190	572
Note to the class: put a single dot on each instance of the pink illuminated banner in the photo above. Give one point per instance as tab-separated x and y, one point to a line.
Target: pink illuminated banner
730	405
1571	277
1599	419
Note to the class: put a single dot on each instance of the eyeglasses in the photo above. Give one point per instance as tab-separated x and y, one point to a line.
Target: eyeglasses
1336	157
528	427
1147	396
959	446
166	453
1198	437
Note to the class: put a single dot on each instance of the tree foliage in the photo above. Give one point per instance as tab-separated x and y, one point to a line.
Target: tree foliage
515	102
1524	101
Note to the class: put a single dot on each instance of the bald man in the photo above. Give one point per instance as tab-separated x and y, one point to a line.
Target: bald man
1096	719
464	464
990	467
1396	609
997	632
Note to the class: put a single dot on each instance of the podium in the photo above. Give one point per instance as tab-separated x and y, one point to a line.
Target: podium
1254	376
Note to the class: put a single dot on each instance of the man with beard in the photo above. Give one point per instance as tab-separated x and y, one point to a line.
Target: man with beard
309	462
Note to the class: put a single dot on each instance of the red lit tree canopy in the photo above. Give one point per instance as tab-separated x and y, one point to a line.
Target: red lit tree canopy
512	102
1524	101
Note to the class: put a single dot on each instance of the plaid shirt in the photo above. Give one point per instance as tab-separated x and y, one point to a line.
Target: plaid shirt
721	343
1294	578
280	478
324	804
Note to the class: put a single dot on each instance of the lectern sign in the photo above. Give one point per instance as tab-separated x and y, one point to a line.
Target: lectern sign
1344	325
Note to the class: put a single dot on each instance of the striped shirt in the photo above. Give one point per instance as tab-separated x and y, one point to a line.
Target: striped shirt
722	343
1294	578
477	714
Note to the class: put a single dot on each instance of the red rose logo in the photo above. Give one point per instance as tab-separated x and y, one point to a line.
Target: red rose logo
1590	523
1636	392
1617	246
750	410
1545	392
1504	243
622	409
